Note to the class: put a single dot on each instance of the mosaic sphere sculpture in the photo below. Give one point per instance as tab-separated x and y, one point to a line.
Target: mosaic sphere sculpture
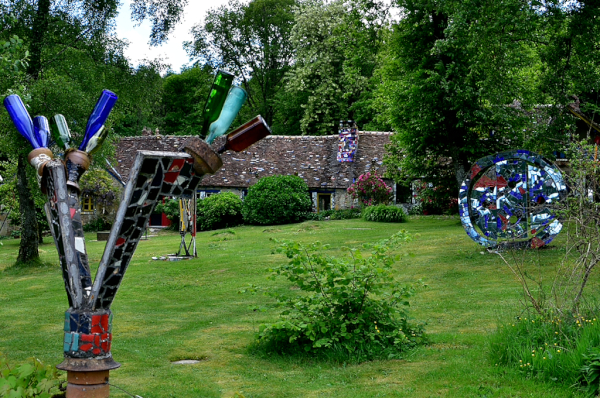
507	199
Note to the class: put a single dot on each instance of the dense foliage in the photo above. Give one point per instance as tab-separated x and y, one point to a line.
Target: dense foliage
29	380
435	199
276	200
384	213
171	209
551	349
353	307
219	211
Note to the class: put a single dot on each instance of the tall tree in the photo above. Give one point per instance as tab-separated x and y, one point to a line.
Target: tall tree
571	63
451	73
336	48
251	40
52	29
183	99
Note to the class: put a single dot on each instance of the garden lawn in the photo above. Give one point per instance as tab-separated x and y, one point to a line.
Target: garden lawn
166	311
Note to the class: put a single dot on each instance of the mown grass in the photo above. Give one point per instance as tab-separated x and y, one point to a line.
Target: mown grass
166	311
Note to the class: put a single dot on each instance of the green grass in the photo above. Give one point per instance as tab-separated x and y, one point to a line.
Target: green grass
166	311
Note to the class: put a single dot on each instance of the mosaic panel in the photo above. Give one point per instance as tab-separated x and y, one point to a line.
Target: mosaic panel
153	174
347	142
60	214
87	334
507	199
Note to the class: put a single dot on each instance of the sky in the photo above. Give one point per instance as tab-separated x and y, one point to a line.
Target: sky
172	51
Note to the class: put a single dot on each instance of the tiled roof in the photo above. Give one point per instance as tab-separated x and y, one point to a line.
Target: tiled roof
313	158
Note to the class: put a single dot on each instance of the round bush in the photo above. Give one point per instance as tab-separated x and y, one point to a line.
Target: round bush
383	213
276	200
219	211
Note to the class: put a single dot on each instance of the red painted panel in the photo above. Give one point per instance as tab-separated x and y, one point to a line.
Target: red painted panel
177	165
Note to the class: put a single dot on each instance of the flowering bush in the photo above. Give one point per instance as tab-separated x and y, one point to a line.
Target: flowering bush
436	199
370	190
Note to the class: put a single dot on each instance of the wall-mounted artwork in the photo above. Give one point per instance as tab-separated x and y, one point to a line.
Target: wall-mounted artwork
508	199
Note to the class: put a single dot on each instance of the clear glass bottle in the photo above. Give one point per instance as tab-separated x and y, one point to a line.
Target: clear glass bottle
216	99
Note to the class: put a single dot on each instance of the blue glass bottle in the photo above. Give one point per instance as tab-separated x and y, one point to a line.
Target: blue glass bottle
41	130
98	117
21	119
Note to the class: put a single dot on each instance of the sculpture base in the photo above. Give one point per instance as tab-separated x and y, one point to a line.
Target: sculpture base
88	378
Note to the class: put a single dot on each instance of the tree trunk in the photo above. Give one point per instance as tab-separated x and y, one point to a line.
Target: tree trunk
40	234
38	31
28	248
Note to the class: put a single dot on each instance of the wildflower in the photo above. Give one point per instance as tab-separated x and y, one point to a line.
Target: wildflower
544	358
557	350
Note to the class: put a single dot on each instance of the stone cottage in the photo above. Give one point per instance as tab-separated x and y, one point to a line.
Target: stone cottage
313	158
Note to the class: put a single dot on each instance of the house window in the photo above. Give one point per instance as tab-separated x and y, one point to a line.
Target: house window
208	192
87	204
323	201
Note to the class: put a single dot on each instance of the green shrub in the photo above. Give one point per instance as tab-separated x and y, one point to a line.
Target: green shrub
344	214
97	224
352	309
277	200
590	372
171	210
219	211
550	348
29	380
383	213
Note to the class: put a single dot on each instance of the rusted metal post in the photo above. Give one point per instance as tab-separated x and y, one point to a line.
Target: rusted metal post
88	378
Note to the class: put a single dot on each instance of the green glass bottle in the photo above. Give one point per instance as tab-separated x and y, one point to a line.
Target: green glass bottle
63	137
96	141
216	99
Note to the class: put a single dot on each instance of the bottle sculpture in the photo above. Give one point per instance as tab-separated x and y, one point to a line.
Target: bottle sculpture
88	321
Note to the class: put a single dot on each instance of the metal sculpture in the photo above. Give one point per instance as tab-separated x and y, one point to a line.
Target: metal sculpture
187	226
507	197
88	321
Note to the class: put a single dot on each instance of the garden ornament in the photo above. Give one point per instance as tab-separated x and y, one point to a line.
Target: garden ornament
507	200
88	321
